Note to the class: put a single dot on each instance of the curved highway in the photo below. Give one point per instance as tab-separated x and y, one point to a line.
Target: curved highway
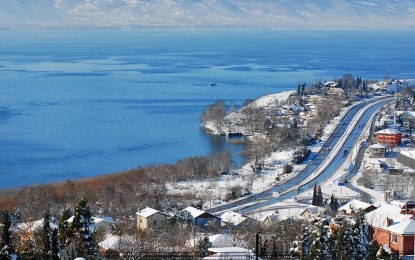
285	190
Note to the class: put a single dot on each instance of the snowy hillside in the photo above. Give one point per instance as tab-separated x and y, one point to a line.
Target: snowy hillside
395	14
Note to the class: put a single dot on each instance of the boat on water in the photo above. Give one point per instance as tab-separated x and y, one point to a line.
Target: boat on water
212	83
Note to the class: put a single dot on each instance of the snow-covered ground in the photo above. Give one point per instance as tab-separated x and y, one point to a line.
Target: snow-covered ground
214	190
285	209
330	186
378	193
268	100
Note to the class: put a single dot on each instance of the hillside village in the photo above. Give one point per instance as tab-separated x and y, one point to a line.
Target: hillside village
281	131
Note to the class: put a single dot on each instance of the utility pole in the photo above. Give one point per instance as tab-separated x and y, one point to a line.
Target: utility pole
394	112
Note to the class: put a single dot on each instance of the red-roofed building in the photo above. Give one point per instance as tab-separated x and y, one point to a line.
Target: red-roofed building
391	227
390	138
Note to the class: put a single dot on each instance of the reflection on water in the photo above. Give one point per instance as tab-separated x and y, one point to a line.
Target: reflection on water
220	143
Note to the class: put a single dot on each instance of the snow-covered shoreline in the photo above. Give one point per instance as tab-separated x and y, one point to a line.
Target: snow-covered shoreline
261	102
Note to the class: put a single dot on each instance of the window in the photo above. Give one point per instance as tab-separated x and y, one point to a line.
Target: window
155	222
394	238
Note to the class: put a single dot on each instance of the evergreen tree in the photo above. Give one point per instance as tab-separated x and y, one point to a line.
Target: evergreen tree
382	254
334	238
6	246
82	228
203	245
344	243
49	239
334	203
320	198
183	217
314	201
46	235
372	250
64	229
319	247
305	240
303	88
54	245
361	240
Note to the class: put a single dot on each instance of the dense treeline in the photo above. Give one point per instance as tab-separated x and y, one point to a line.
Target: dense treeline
118	195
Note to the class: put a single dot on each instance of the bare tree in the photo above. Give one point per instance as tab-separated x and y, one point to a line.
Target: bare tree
215	114
257	149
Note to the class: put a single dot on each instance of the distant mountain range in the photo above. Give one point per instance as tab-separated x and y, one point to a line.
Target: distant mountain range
347	14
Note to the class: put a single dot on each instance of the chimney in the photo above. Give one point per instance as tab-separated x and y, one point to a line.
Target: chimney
388	221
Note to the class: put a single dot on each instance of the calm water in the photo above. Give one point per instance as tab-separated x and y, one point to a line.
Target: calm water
83	103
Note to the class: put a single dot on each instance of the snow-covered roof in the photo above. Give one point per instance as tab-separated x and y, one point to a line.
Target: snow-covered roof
231	255
233	218
224	240
375	161
313	210
295	108
356	205
233	249
406	227
377	146
330	84
338	90
378	217
387	131
410	153
398	203
97	220
273	217
35	225
147	212
194	211
219	240
110	243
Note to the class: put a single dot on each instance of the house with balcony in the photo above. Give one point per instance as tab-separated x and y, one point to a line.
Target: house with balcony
377	150
388	137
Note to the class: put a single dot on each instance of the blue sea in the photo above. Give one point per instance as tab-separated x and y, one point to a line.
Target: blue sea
82	103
